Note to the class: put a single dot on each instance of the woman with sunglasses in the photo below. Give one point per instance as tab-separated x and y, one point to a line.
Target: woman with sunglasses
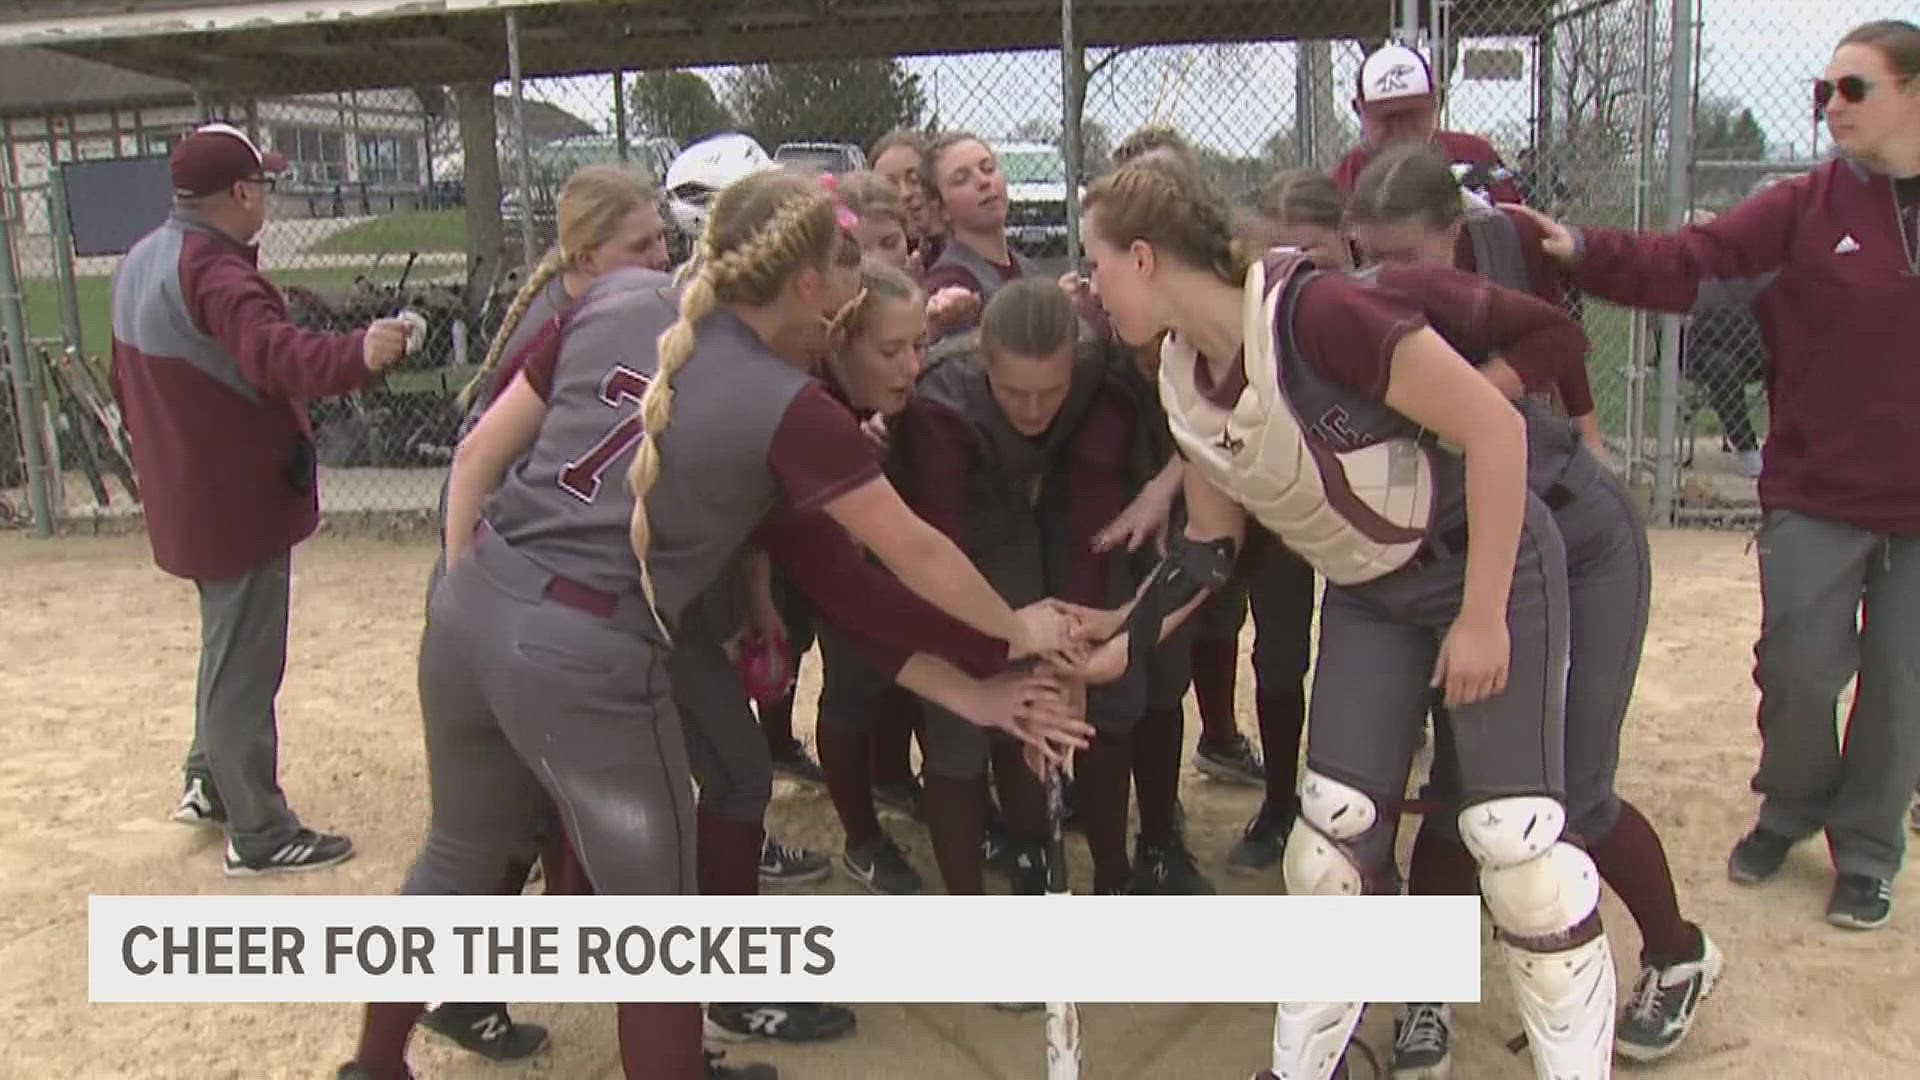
1830	263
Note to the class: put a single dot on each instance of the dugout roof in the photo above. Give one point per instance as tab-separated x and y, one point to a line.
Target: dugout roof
233	47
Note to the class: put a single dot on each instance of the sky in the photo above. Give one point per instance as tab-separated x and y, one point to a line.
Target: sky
1763	53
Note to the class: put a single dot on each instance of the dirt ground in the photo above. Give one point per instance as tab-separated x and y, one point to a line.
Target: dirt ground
98	676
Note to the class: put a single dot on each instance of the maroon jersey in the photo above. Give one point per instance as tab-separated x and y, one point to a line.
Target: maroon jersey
1830	264
1476	164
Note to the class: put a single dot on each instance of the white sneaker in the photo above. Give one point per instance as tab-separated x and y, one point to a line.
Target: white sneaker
1749	463
199	805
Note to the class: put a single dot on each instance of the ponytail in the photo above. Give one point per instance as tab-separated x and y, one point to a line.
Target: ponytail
656	412
548	269
762	230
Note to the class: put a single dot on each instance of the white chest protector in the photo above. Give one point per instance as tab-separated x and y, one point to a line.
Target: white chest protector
1344	482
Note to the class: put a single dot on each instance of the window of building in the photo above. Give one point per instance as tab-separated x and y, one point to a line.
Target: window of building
390	160
315	156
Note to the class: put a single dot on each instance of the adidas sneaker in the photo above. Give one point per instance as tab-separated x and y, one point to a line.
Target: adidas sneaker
308	850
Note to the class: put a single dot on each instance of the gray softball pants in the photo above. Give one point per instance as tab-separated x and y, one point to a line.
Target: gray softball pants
1609	582
1837	600
1378	645
527	698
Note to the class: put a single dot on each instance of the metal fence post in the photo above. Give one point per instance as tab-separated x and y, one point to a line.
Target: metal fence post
26	393
1073	85
521	155
1679	198
1645	147
1406	27
63	256
620	118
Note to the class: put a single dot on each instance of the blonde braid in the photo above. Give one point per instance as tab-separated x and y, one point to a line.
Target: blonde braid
772	253
548	269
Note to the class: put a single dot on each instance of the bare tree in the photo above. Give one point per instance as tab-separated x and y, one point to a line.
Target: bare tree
1601	69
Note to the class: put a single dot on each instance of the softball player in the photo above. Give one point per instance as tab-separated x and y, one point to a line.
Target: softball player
1332	414
607	218
1406	208
1005	456
1162	862
970	192
899	157
874	371
885	229
543	666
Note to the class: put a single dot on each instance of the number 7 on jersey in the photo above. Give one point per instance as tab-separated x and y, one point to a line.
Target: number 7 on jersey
622	386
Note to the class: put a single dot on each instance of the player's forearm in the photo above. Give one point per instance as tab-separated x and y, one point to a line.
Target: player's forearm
933	566
1496	456
466	494
935	680
474	476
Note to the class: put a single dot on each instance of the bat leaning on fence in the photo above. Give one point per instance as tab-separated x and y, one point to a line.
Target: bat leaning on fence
1064	1057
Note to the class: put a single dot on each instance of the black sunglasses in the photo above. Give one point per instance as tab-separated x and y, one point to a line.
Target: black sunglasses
1851	87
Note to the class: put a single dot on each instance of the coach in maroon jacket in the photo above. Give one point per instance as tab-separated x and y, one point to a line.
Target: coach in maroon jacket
1398	101
212	379
1830	263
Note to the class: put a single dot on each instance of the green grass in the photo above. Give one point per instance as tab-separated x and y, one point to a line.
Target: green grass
44	320
410	230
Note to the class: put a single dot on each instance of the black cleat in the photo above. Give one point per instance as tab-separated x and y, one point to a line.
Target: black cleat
485	1029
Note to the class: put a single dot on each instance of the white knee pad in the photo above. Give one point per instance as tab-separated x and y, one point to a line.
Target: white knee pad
1318	860
1535	886
1544	895
1308	1038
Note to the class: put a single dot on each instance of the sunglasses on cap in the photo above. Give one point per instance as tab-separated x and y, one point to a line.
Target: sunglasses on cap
1852	88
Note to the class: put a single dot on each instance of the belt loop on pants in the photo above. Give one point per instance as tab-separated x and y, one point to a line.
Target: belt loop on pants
520	576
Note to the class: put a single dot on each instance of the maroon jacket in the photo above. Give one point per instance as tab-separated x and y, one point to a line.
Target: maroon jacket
1820	260
1486	173
213	381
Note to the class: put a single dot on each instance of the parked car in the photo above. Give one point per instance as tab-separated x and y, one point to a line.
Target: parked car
1036	196
705	169
835	159
552	163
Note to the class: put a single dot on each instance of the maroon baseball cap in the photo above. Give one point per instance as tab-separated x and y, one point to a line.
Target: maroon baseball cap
218	156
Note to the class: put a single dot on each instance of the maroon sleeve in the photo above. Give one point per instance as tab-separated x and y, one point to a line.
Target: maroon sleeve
1666	271
1481	320
1348	171
886	621
942	277
818	453
935	448
1096	494
538	359
1347	331
1542	276
233	303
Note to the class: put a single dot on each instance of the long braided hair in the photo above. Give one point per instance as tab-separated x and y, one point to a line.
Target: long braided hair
1156	199
763	229
592	204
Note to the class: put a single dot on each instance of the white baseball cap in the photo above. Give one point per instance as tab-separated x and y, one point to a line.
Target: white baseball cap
1393	80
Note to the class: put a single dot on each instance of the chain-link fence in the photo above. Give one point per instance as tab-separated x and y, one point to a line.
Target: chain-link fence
437	195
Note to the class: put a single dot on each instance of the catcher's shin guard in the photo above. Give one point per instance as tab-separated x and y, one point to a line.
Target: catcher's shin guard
1333	851
1544	896
1309	1038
